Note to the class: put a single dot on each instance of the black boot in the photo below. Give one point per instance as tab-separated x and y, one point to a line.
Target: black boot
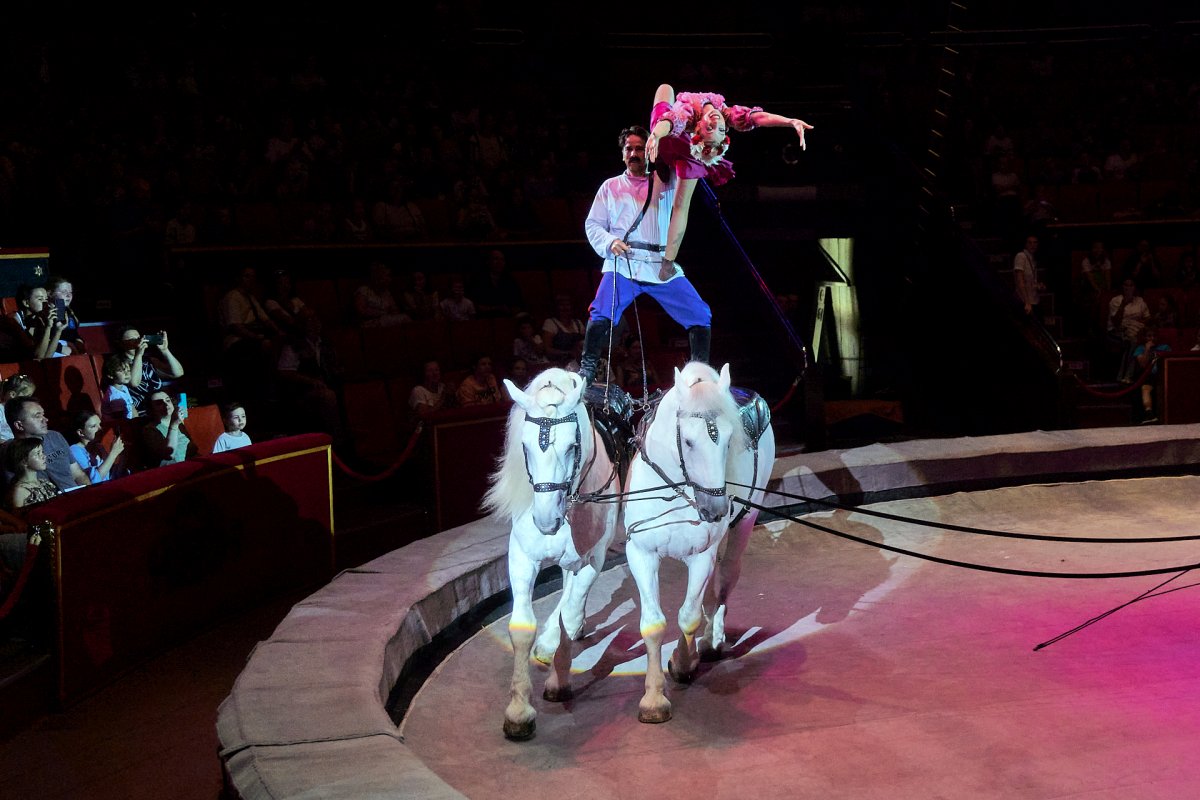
699	339
594	338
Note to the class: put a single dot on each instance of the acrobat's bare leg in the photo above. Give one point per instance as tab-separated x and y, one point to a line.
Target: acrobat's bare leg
679	217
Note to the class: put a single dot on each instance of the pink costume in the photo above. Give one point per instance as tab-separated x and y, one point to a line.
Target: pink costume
676	148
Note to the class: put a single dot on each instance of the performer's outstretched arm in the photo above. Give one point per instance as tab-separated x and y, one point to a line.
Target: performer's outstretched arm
765	119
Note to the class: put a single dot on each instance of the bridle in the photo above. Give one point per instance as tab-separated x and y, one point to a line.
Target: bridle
544	425
710	422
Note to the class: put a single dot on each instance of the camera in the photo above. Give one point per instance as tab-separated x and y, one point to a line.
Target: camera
154	339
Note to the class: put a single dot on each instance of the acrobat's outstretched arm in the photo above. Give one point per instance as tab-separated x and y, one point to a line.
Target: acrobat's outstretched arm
765	119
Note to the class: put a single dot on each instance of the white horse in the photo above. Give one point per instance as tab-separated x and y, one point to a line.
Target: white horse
552	455
697	443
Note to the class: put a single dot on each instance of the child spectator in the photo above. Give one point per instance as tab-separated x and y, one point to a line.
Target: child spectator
457	307
13	386
25	458
234	416
117	403
70	340
430	395
89	453
37	316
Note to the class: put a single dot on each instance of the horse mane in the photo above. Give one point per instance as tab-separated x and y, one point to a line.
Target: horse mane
510	492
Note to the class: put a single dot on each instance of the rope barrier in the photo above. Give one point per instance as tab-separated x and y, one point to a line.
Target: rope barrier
784	401
391	470
1026	573
31	551
1120	393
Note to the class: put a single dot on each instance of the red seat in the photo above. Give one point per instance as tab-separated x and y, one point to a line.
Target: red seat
204	424
67	386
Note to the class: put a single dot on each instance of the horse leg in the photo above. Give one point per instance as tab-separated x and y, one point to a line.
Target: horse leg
558	683
519	717
548	640
654	705
729	569
682	665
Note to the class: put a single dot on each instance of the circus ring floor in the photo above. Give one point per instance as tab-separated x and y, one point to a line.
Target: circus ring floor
854	672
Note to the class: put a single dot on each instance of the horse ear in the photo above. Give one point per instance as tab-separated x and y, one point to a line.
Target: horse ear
518	396
724	382
576	392
679	380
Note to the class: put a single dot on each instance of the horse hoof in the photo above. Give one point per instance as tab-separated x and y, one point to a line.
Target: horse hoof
519	731
680	677
559	695
654	716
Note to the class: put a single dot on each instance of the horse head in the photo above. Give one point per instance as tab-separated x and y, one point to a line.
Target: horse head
552	437
706	422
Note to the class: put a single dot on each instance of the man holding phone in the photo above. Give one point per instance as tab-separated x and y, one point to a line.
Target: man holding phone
148	373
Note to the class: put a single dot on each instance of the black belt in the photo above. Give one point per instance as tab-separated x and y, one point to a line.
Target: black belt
653	248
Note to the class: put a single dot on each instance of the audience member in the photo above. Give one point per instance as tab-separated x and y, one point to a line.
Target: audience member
97	463
1127	318
25	461
518	371
356	228
1096	269
398	219
1145	355
13	386
70	340
28	418
628	371
1025	278
165	439
117	402
480	387
420	303
374	303
148	373
1185	272
282	305
1122	164
308	366
529	345
233	414
457	307
1085	172
1166	313
430	395
494	292
38	318
562	331
250	336
1143	266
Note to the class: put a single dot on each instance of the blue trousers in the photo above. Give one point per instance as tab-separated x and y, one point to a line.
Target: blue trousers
677	297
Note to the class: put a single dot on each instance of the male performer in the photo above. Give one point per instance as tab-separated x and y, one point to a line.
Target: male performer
632	246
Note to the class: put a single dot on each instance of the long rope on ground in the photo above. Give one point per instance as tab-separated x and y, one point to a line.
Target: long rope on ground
1027	573
1121	392
1040	537
391	470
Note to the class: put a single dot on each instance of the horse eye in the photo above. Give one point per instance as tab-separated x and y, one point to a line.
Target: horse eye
688	443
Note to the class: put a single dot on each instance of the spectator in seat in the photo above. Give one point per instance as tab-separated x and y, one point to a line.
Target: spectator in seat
1025	277
1146	354
28	418
99	464
529	345
356	228
148	373
480	387
13	386
374	303
251	338
1143	266
430	395
25	460
1128	315
562	331
1185	273
628	370
38	318
282	304
308	367
165	439
518	372
1096	269
494	292
117	402
457	307
70	340
1166	313
419	302
398	219
1122	164
233	414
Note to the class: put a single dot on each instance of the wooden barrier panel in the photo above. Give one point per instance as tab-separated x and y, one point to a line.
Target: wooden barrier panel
1180	387
143	562
466	443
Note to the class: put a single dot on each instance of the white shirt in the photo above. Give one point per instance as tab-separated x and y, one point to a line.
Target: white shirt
618	203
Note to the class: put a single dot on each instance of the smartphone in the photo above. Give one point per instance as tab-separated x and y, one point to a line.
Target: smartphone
154	339
60	307
182	405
